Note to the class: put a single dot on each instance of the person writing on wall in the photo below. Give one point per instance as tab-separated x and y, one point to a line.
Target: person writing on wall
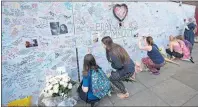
121	62
155	60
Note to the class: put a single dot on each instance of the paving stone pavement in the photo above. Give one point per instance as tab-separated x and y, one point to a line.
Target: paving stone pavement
175	86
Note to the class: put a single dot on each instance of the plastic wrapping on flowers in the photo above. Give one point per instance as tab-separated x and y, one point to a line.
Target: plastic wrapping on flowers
70	101
58	101
59	91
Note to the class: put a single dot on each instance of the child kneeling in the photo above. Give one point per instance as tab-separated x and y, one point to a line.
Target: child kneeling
95	84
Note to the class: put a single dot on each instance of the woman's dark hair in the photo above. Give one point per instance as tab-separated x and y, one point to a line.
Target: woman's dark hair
89	63
115	49
149	40
64	26
63	31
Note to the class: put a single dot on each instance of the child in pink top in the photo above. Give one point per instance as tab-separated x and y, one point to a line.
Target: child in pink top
185	50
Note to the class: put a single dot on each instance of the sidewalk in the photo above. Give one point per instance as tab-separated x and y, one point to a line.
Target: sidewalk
175	86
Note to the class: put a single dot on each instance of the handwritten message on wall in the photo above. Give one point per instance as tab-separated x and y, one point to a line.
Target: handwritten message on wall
39	37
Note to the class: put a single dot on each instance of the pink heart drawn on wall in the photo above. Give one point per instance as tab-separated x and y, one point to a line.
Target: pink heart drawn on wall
120	11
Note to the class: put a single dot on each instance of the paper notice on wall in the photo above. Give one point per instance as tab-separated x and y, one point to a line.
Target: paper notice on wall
61	70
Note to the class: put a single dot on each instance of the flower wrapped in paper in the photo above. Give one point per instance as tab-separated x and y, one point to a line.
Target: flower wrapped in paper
57	89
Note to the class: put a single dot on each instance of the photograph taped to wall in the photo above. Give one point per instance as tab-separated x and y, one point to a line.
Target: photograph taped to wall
31	43
54	26
57	28
63	29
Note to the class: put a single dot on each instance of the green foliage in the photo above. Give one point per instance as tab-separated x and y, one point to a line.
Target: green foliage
55	95
129	80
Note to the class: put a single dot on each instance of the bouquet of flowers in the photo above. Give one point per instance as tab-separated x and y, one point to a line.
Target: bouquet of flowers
59	85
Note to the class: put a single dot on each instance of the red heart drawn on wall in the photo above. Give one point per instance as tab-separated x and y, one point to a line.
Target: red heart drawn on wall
120	11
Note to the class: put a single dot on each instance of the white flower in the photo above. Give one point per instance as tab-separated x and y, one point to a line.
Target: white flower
48	83
52	80
62	94
65	84
49	87
48	77
56	86
65	95
63	76
48	93
52	84
62	82
43	92
59	76
55	90
65	79
69	78
70	86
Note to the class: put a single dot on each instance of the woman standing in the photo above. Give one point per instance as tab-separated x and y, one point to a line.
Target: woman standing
120	60
155	60
190	30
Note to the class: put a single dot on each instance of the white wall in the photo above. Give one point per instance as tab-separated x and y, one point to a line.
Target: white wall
24	69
